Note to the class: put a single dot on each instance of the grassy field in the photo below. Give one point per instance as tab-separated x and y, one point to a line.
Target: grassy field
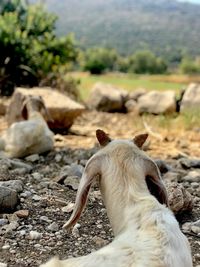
132	82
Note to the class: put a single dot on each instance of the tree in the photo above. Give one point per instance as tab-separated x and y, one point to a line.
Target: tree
29	47
189	66
146	62
99	60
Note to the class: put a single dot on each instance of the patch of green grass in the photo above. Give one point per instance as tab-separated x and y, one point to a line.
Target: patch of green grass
128	82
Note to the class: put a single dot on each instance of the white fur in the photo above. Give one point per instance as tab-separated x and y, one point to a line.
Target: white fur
146	232
27	137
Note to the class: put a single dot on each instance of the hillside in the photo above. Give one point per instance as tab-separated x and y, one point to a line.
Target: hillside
164	26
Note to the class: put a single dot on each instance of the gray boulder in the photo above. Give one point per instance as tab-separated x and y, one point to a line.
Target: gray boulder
191	98
156	102
107	98
62	109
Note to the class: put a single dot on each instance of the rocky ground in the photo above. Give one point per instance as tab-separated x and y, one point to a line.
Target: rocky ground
46	187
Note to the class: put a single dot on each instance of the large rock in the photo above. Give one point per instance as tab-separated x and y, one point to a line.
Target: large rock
191	97
106	97
157	102
62	109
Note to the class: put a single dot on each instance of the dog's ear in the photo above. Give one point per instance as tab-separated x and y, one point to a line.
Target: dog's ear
154	182
140	139
102	137
92	170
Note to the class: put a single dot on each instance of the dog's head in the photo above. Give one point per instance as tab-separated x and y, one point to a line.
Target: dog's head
121	150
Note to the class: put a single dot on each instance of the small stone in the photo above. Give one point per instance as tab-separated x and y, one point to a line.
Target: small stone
68	208
72	182
8	198
6	246
195	229
22	213
195	185
22	232
75	170
171	176
34	235
3	222
190	163
37	176
186	227
33	158
99	242
45	219
3	264
53	227
36	198
38	246
75	231
179	198
58	158
26	194
192	176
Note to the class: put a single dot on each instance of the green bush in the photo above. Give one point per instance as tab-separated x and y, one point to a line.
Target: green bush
189	66
146	62
99	60
29	47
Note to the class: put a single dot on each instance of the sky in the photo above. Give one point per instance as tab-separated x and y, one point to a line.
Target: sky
191	1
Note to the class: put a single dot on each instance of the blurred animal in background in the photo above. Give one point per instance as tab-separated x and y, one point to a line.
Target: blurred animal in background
31	136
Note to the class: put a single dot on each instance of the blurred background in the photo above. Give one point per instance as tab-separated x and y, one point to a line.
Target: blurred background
155	44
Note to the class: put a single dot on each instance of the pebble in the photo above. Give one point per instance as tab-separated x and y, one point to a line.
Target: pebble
22	213
68	208
3	222
26	194
192	176
36	198
34	235
72	182
58	158
171	176
195	229
3	264
33	158
45	219
53	227
190	163
6	246
8	198
22	232
37	246
100	242
37	176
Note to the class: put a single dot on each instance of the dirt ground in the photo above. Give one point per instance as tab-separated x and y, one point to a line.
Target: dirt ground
44	198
